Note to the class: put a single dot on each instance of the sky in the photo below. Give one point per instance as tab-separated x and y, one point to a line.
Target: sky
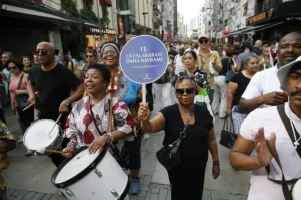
189	8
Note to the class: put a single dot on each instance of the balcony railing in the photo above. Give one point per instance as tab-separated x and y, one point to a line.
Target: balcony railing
157	7
263	5
157	21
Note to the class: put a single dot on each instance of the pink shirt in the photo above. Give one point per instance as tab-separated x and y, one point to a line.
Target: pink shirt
12	88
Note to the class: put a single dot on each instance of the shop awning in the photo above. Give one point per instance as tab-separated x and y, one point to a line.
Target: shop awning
254	28
18	9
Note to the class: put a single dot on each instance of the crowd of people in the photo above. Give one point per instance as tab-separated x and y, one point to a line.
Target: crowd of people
201	81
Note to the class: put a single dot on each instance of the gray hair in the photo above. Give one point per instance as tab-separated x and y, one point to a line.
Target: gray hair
247	60
9	54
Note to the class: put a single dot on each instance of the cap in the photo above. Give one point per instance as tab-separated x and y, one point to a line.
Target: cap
203	36
283	73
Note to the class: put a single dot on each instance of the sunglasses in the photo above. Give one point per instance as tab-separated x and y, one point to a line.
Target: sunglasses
114	53
203	41
182	91
10	68
43	52
89	56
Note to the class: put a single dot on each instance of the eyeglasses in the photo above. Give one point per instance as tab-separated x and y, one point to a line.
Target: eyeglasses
114	53
182	91
10	68
89	56
43	52
203	41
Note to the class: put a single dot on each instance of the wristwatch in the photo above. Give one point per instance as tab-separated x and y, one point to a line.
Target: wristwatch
216	163
66	104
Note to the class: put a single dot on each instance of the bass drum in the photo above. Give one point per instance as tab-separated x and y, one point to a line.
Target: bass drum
92	177
296	192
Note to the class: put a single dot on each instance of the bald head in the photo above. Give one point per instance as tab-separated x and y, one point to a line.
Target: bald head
258	43
289	48
45	52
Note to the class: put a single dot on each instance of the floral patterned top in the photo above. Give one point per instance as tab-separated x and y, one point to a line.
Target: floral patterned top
200	77
80	123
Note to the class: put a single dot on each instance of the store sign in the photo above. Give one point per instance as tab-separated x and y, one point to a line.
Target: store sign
104	31
260	17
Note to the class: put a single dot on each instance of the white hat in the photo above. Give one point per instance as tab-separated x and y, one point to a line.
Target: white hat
283	73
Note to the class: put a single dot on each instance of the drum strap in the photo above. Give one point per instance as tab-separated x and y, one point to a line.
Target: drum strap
112	147
272	147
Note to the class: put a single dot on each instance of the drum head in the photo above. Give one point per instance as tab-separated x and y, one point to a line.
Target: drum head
296	193
36	136
77	167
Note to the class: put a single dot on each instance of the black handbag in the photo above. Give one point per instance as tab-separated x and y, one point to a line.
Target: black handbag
228	136
21	99
170	156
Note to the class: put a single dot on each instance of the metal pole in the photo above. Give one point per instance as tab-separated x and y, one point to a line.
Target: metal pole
144	25
99	24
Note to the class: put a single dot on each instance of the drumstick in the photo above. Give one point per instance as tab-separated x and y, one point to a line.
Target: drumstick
55	124
52	151
28	106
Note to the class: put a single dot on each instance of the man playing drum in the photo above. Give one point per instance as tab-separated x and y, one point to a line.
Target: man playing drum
53	83
275	133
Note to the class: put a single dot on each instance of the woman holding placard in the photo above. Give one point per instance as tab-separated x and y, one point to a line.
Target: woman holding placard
129	92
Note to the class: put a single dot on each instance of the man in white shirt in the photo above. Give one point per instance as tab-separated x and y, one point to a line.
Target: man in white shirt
264	130
264	87
178	63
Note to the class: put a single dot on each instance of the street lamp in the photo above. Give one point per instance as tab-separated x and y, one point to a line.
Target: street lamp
144	13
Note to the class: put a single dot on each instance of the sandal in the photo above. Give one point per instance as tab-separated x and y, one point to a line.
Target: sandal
28	153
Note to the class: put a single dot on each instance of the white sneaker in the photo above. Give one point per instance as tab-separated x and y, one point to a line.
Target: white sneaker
20	139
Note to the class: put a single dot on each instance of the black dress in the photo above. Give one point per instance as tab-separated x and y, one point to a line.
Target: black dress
187	179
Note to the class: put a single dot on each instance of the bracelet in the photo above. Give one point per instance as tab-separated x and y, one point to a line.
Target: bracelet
216	163
75	144
109	138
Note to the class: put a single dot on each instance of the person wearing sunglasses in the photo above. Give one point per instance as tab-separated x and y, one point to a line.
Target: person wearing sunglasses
18	90
89	59
186	179
130	93
53	83
209	61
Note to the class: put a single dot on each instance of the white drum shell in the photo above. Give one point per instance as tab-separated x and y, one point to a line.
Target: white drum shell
100	183
296	193
38	136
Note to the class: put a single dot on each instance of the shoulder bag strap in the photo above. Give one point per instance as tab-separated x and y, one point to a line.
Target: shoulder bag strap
288	127
20	82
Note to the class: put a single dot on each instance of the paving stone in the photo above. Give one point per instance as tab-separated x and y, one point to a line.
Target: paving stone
9	192
38	196
220	195
29	196
47	197
142	194
20	193
206	195
147	180
155	191
238	197
55	197
163	193
153	196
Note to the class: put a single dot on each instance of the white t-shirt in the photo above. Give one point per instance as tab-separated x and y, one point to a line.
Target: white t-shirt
268	118
179	65
262	83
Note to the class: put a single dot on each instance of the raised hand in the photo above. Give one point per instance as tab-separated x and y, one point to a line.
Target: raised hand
263	152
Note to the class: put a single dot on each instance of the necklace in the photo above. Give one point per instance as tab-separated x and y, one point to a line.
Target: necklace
104	110
114	84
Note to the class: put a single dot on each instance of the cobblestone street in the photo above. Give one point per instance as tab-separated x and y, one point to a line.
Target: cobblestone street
153	176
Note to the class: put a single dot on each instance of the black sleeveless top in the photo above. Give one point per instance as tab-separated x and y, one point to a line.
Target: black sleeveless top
195	144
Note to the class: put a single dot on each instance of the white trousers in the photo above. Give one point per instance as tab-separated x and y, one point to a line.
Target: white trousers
219	104
162	95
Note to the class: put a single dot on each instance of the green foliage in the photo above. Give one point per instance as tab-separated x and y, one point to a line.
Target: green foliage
89	5
69	7
105	19
89	13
